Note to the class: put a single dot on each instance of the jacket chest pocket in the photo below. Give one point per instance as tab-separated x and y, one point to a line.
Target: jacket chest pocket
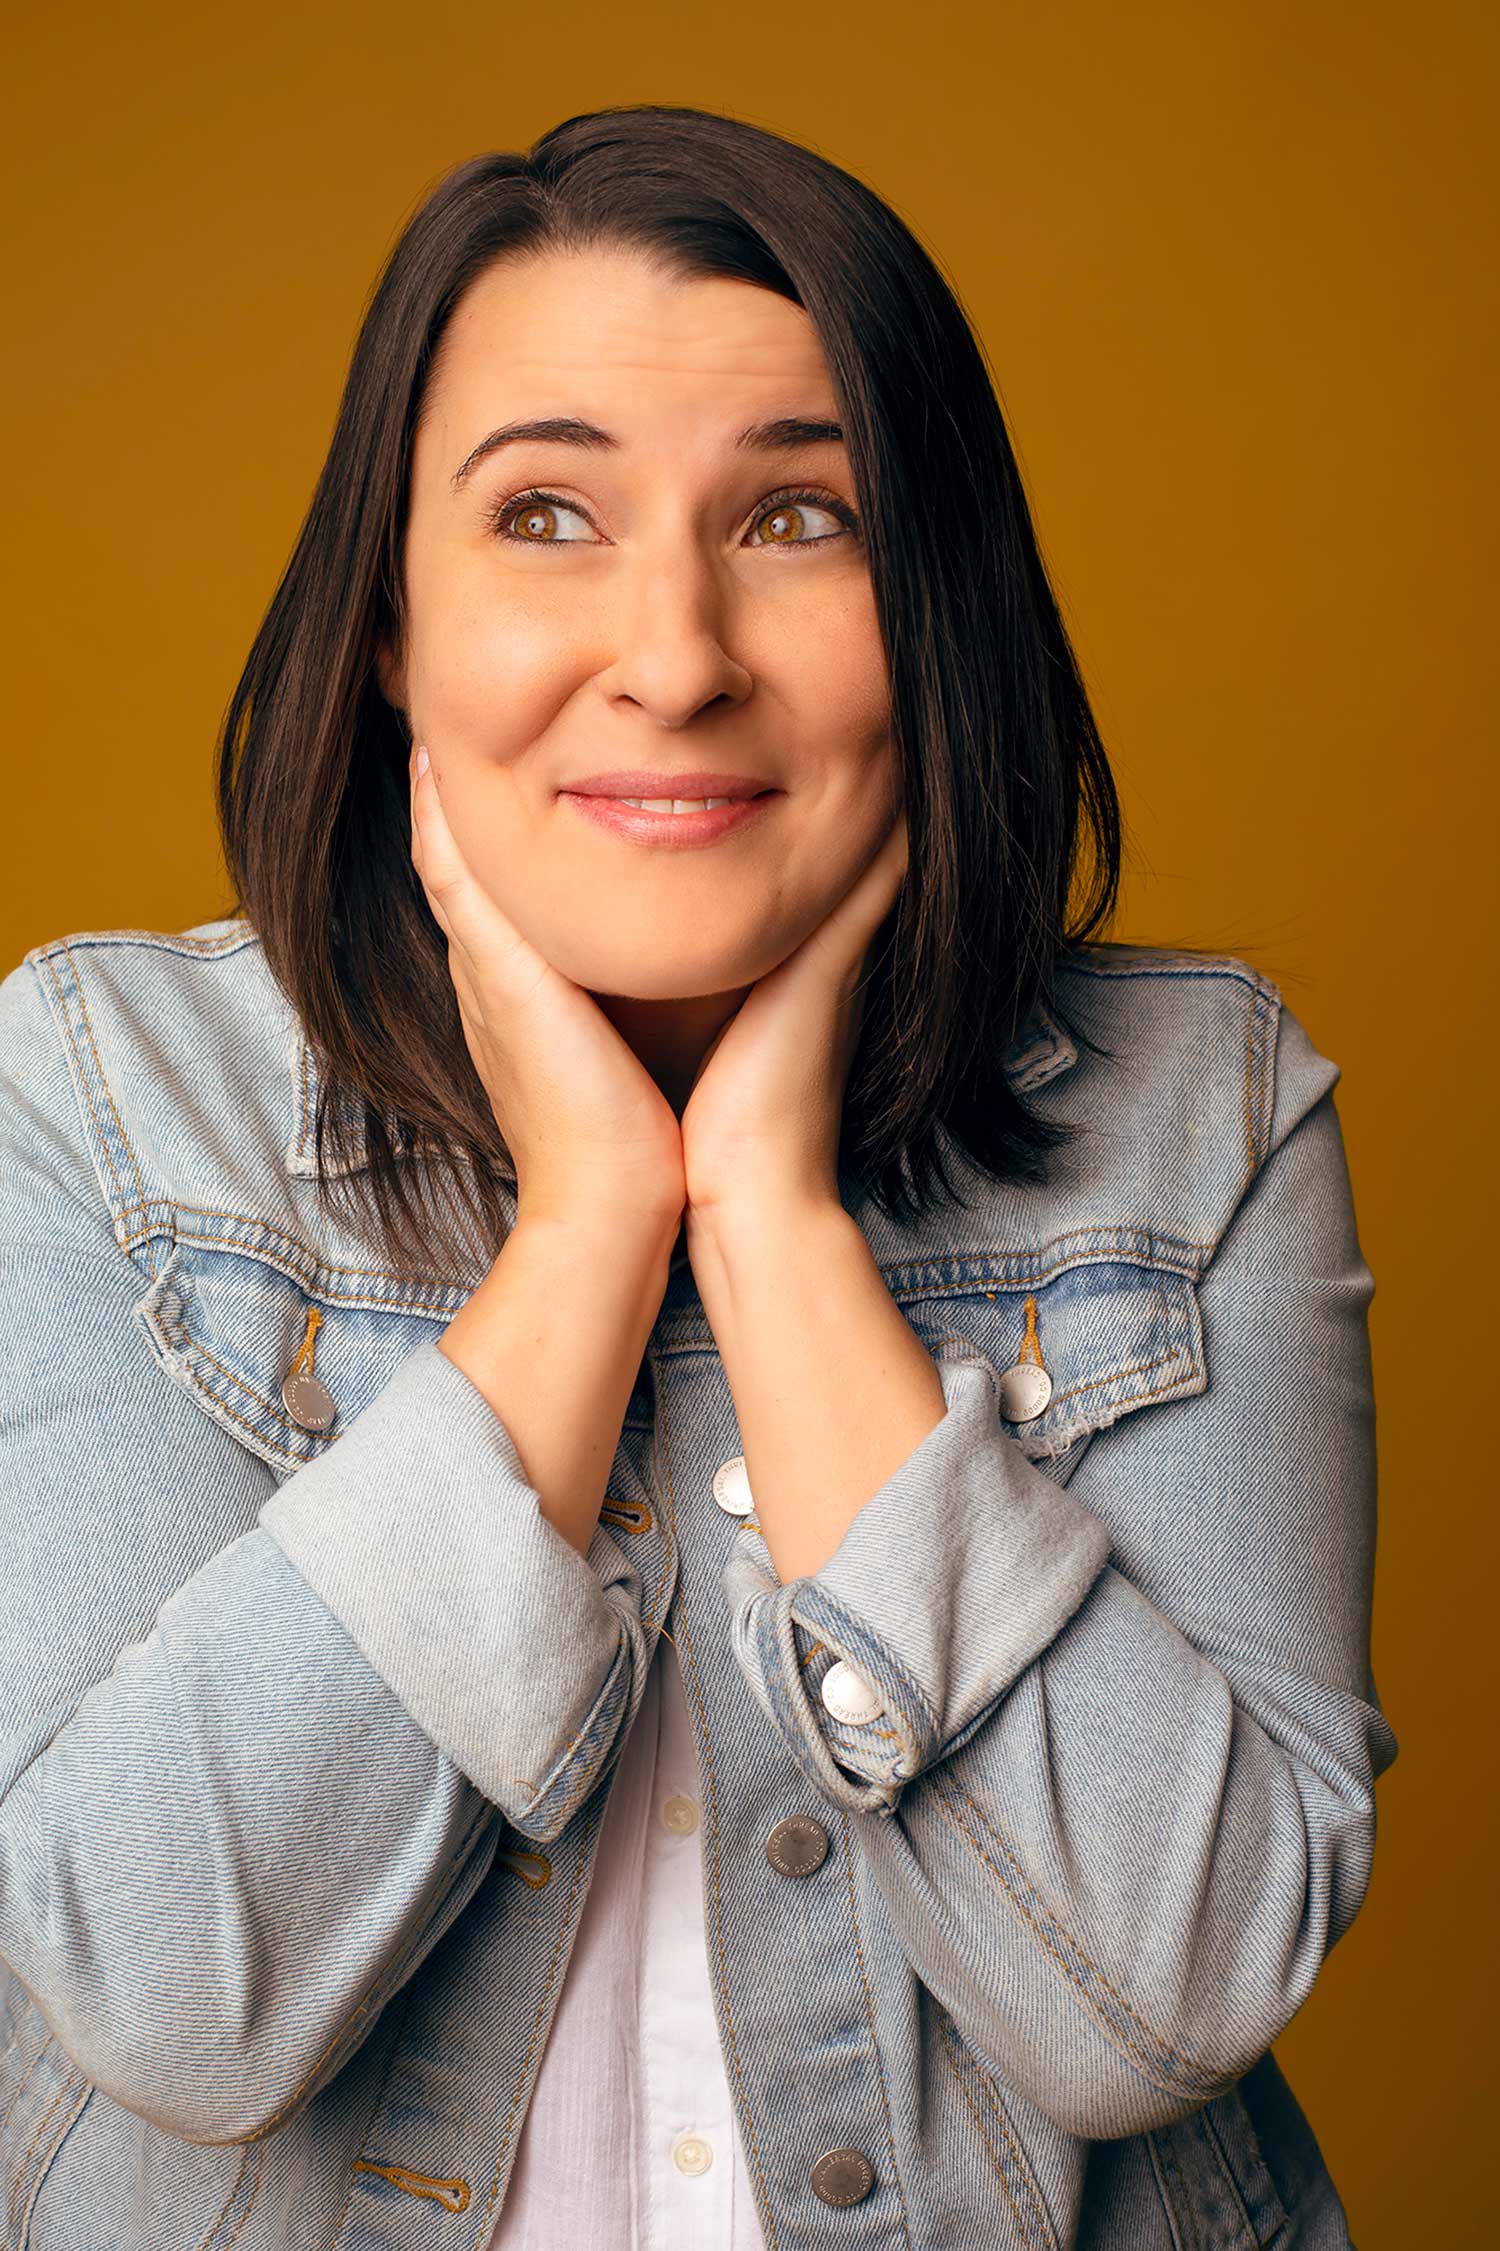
282	1350
1074	1345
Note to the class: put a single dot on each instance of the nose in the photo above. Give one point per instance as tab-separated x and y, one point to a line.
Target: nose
671	656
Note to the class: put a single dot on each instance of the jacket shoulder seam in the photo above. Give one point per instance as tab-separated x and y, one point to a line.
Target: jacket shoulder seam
110	1148
184	942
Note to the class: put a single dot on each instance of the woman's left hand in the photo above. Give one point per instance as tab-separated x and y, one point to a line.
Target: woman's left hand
762	1120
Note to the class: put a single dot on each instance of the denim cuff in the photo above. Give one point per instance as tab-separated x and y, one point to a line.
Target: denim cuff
516	1655
945	1586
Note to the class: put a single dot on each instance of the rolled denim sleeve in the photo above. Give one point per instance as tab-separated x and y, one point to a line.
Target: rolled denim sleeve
939	1634
254	1743
1122	1874
514	1654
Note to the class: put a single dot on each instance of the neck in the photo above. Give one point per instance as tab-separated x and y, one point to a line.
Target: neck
671	1037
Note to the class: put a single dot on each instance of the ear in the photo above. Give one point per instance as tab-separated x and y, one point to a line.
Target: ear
391	674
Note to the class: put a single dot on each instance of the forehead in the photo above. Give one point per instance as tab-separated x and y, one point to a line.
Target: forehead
609	335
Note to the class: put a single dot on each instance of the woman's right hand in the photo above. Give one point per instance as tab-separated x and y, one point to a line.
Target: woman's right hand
582	1117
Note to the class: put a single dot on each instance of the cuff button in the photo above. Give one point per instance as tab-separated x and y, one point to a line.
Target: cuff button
732	1487
849	1696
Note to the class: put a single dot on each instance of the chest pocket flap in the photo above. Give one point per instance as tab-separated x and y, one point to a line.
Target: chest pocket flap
1076	1349
229	1323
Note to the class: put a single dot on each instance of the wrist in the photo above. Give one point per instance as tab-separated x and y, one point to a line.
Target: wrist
604	1221
739	1250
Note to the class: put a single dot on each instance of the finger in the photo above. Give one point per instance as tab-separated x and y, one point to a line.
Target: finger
463	911
476	926
444	871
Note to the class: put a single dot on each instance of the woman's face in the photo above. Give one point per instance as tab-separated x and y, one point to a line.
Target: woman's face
661	609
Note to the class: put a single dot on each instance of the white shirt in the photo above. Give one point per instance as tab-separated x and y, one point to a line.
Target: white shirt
630	2142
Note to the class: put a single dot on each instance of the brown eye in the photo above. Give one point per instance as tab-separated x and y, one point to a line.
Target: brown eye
537	519
782	524
785	522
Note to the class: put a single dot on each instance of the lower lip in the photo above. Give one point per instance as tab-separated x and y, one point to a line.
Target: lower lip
681	832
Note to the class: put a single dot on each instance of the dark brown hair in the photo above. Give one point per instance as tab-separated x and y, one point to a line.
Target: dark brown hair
1012	812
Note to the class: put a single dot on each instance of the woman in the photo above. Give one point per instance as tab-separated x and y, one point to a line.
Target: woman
690	1489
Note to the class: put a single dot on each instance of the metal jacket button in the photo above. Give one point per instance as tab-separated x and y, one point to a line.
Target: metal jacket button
849	1696
308	1401
843	2176
797	1845
680	1815
1024	1391
732	1487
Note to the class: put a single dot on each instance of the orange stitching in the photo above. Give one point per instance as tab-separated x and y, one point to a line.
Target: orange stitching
99	1133
535	2030
1190	2063
385	2080
1118	1375
1249	1090
453	2194
309	1259
658	1449
30	2075
665	1350
248	1389
713	1802
298	1461
165	941
1264	1079
953	2065
1022	2164
810	1654
1031	1343
308	1348
859	1954
19	2181
1027	1250
265	1257
514	1857
260	2166
620	1513
218	2219
104	1082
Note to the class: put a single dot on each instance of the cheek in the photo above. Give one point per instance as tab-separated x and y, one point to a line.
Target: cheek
836	681
488	677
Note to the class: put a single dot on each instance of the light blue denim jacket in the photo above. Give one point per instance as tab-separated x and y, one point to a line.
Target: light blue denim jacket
305	1739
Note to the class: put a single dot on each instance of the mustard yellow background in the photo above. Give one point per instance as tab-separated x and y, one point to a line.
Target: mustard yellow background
1234	266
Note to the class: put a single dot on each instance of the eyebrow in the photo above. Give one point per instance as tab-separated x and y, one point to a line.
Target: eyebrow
786	431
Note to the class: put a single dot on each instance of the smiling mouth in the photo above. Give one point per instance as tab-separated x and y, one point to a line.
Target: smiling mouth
677	805
683	823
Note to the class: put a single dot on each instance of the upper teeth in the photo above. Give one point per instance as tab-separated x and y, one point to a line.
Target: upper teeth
674	804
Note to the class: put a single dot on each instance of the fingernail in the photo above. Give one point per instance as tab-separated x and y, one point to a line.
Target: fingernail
422	759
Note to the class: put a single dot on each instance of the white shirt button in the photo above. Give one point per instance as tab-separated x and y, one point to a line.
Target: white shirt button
732	1487
680	1815
692	2154
849	1696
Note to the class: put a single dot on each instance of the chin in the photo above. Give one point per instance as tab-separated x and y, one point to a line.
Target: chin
619	977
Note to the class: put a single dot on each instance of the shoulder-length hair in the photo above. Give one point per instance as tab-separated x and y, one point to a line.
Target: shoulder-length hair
1012	812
